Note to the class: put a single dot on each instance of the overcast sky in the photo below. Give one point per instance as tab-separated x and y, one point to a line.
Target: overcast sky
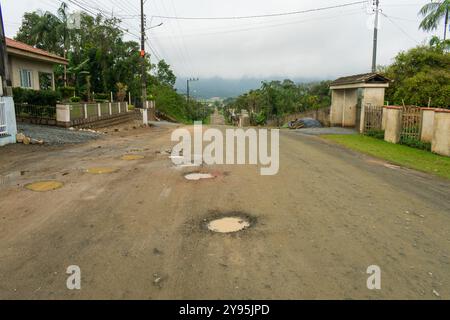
323	44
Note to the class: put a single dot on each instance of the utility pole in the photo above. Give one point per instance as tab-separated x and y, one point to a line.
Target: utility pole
144	71
446	23
188	88
4	74
375	36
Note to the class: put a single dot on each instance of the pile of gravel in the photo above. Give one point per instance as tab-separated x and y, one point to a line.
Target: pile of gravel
55	135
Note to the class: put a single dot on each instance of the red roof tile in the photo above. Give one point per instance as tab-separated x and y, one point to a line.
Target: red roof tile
10	43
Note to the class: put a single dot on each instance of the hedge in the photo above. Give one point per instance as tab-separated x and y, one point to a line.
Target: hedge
34	97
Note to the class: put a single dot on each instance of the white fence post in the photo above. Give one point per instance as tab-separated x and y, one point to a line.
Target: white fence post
99	110
126	106
110	108
85	111
63	115
119	108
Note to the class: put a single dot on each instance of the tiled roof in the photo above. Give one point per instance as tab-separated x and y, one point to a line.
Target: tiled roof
361	78
10	43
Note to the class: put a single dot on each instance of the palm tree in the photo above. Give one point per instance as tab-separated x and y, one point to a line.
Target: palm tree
432	13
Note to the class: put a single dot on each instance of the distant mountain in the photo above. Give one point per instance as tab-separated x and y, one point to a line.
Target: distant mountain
225	88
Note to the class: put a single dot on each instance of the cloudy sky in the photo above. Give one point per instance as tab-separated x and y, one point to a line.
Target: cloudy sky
321	44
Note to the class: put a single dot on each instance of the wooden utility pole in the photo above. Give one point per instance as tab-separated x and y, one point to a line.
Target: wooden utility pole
144	71
375	37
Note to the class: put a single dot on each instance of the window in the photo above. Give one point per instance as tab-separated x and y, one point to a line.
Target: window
45	81
26	77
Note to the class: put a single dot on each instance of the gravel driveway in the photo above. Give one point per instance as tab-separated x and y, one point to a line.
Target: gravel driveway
55	135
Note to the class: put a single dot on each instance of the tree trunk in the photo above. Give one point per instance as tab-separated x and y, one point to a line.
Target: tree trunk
446	24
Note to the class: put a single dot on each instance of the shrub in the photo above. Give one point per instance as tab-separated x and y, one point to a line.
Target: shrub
67	92
377	134
121	91
34	97
414	143
101	96
75	99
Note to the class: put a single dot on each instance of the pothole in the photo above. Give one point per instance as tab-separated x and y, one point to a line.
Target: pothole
131	157
101	170
195	176
229	223
43	186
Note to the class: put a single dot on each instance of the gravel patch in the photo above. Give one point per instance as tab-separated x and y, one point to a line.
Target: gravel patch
55	135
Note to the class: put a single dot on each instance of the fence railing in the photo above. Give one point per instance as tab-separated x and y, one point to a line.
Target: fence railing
33	111
77	114
96	110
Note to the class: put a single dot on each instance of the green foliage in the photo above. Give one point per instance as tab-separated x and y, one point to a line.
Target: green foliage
165	75
101	96
277	98
377	134
420	74
414	143
96	49
34	97
75	99
433	13
121	91
67	92
396	153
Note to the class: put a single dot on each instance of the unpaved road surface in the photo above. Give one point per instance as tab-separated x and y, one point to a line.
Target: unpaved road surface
138	232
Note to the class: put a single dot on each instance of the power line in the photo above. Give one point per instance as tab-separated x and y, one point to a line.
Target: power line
263	15
400	28
263	26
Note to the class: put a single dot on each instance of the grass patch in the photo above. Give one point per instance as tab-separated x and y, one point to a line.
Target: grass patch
395	153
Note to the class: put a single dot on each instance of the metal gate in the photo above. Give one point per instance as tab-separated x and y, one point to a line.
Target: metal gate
373	117
411	122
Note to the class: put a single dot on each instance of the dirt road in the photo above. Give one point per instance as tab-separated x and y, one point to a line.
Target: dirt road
139	232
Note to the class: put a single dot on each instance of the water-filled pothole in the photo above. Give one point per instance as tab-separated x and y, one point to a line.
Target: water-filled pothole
195	176
102	170
229	224
43	186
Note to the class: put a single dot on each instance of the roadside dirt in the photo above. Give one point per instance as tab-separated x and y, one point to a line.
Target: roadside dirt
139	232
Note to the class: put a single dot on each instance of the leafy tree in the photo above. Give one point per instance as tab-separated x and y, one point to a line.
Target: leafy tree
164	74
433	13
420	75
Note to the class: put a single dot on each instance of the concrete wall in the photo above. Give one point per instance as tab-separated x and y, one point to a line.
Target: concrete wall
18	63
337	106
384	119
441	133
373	96
11	126
393	124
427	125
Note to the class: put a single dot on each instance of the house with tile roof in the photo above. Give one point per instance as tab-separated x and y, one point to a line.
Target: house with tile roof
31	68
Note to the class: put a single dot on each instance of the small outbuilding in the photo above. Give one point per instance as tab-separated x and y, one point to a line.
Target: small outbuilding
349	94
